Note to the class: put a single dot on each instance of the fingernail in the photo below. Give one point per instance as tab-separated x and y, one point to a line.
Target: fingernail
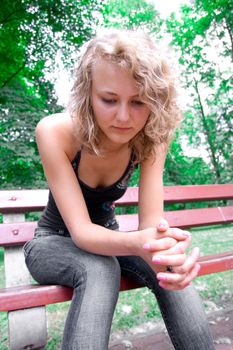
161	284
186	234
146	246
163	224
156	259
162	277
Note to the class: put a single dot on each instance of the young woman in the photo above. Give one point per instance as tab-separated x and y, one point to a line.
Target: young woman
121	114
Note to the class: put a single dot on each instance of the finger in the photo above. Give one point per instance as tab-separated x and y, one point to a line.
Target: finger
190	262
171	278
180	247
183	284
189	277
170	260
170	287
159	244
163	225
193	274
175	233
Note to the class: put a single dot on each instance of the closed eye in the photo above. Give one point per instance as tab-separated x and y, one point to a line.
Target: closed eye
112	101
138	102
108	101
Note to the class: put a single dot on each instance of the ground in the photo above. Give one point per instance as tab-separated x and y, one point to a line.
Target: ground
147	335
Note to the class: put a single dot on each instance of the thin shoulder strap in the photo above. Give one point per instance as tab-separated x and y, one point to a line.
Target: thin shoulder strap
76	160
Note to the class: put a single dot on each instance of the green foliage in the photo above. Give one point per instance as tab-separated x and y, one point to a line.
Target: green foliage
185	170
31	33
203	39
131	14
21	109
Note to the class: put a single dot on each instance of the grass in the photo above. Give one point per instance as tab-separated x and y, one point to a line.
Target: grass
139	306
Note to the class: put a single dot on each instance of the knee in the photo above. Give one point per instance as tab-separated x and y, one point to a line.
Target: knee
98	272
104	268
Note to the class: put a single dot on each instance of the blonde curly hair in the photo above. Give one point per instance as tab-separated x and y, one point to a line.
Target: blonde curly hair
137	53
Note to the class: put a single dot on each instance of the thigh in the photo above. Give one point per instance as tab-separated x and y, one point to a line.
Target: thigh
49	258
54	259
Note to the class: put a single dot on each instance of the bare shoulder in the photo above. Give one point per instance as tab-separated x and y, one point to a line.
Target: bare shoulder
55	122
57	131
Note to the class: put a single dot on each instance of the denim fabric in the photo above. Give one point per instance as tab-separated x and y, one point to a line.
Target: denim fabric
182	311
53	258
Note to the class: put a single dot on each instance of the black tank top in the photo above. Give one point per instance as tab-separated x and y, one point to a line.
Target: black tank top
99	201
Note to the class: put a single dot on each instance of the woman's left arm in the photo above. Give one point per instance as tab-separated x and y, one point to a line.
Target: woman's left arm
151	190
185	268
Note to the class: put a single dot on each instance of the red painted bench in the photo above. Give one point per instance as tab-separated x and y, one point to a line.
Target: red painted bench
25	302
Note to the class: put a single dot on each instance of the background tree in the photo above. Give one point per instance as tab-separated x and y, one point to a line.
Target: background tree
31	33
203	39
131	14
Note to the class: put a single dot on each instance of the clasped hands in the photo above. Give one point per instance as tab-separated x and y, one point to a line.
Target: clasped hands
165	250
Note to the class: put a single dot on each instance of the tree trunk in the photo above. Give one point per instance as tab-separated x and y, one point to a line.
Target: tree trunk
207	132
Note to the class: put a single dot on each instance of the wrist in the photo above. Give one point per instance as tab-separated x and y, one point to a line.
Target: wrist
135	243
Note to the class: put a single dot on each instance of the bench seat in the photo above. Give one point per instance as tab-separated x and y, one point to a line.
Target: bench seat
22	297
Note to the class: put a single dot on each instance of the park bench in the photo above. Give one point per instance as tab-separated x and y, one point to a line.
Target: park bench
25	302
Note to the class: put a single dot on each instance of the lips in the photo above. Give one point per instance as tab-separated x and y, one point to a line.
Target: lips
121	128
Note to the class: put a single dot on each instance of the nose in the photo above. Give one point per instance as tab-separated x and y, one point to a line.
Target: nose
123	113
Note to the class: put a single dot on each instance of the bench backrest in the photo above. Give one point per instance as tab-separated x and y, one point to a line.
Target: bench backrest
23	201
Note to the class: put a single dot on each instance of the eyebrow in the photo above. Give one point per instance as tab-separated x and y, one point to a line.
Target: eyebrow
114	94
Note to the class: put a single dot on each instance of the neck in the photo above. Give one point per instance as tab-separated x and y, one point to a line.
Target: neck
107	147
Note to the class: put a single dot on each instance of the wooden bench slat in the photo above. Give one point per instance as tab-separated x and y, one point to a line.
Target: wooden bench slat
200	217
183	194
216	263
20	297
35	200
19	233
184	218
16	201
196	193
16	233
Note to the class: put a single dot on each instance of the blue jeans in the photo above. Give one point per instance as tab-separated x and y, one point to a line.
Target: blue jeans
53	258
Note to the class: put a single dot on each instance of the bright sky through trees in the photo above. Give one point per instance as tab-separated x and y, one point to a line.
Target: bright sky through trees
63	85
166	7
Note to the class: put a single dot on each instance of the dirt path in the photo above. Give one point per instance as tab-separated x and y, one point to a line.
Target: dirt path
144	338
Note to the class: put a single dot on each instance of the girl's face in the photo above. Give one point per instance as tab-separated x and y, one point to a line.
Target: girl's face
118	110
